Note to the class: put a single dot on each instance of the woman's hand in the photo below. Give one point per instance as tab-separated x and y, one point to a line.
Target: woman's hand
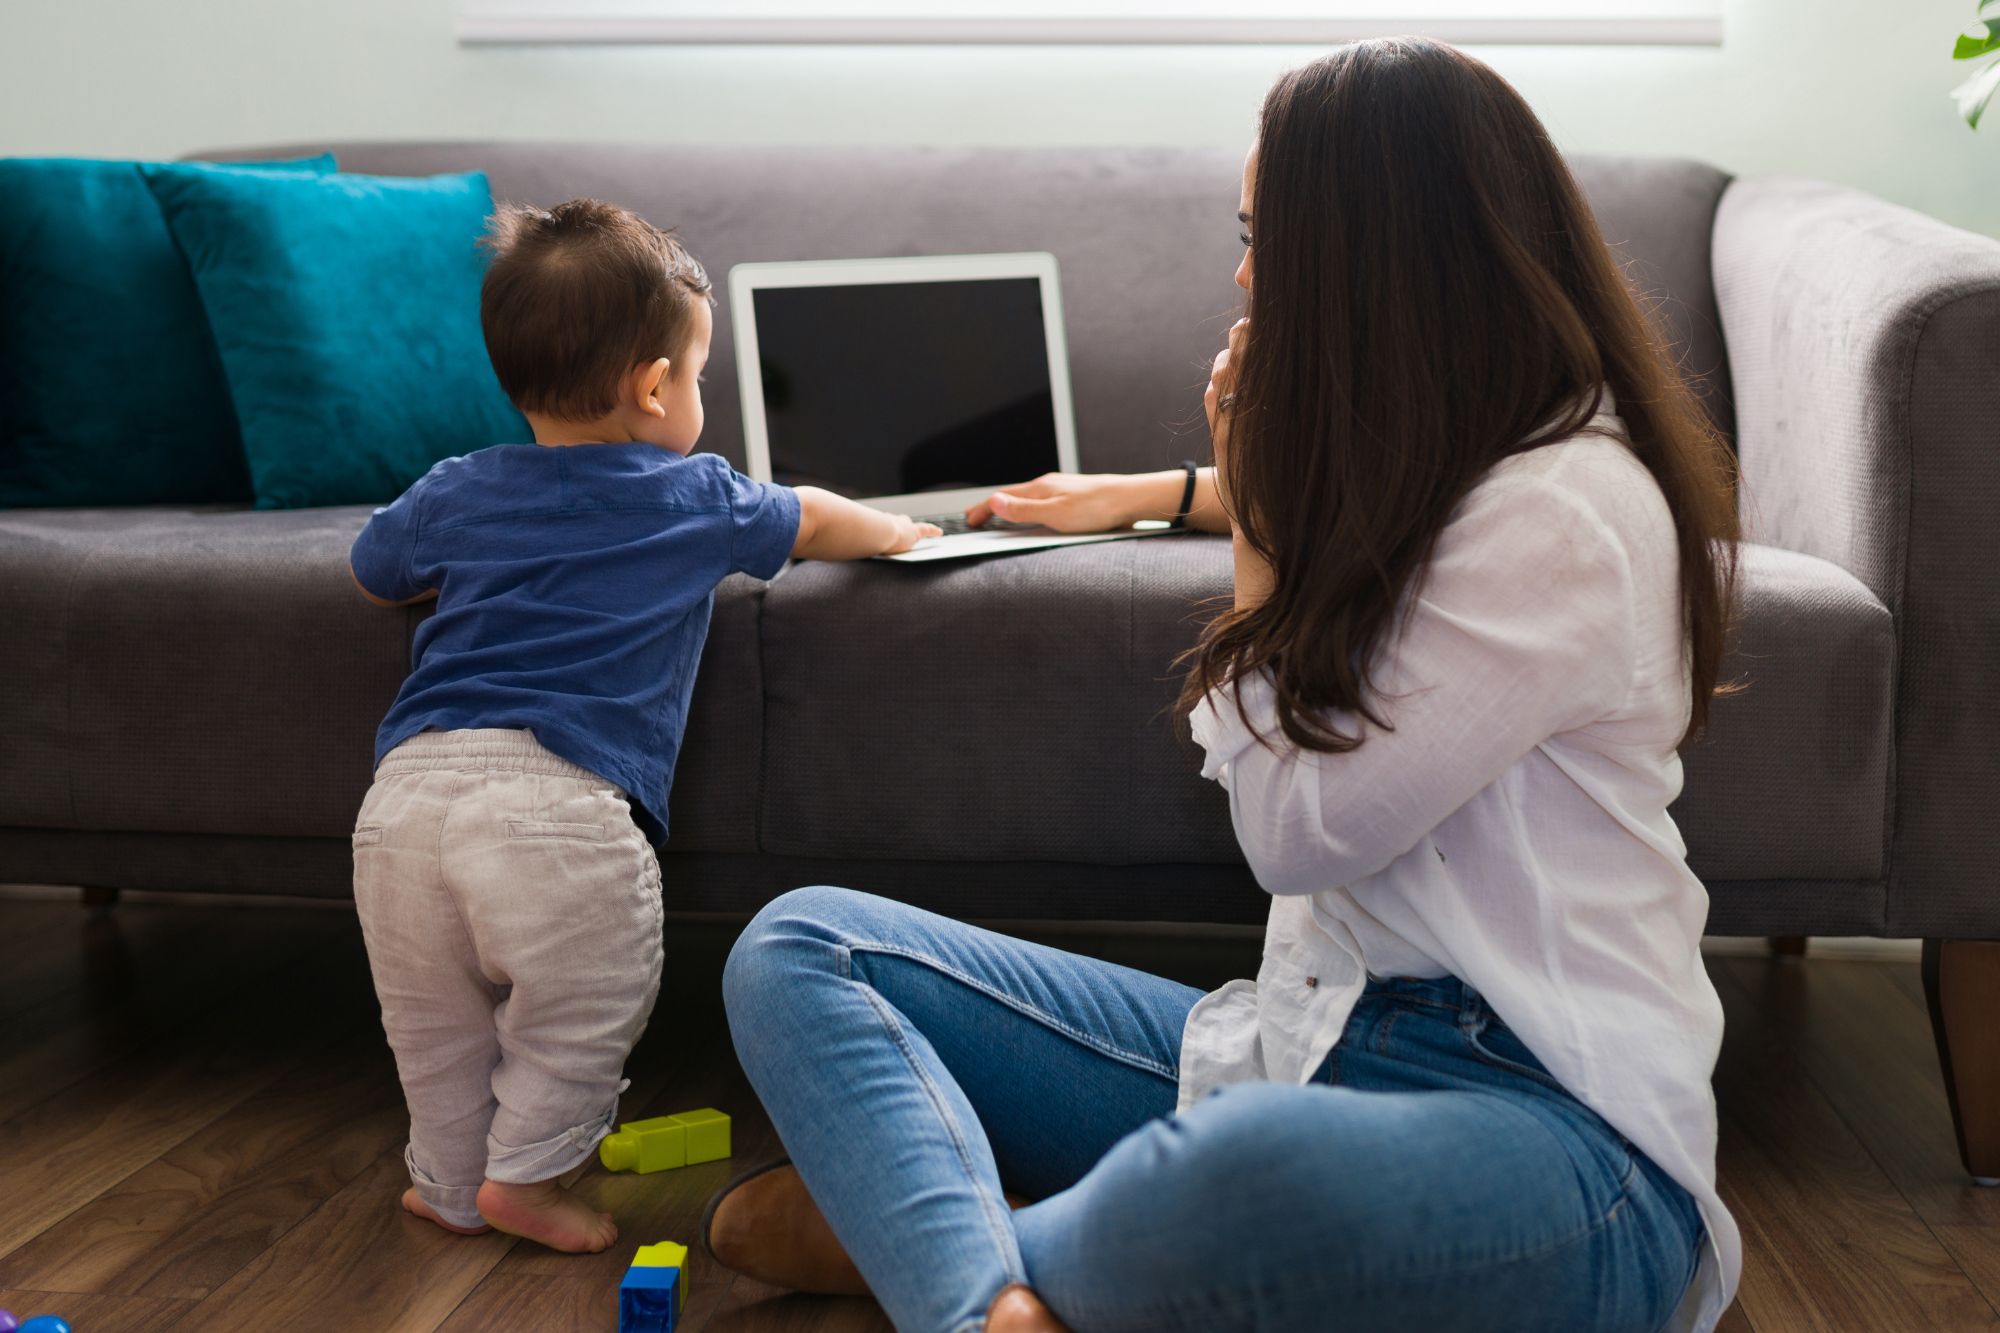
1220	399
1254	579
1068	502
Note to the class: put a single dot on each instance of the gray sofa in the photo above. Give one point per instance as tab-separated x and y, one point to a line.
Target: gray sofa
191	694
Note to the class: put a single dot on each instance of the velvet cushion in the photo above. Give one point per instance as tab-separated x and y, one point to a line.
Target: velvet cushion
110	391
346	312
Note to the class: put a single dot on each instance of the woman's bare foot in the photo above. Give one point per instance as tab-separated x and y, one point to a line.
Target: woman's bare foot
413	1204
1018	1310
546	1212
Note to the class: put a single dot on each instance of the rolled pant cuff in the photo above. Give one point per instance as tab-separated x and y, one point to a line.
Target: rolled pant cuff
453	1203
553	1156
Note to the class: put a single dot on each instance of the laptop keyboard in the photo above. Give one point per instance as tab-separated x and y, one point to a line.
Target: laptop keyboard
954	524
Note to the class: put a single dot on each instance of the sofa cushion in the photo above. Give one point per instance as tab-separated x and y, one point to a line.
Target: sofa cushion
211	672
215	672
110	391
1019	709
1014	709
1792	780
346	312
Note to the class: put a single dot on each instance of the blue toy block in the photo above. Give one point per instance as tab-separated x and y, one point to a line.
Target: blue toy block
654	1290
45	1323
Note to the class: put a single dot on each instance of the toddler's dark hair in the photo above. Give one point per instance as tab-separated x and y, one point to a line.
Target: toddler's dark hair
579	294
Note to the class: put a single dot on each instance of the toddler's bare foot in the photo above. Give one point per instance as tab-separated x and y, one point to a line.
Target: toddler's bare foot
548	1213
412	1203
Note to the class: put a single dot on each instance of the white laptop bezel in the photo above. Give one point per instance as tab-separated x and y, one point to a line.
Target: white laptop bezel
746	279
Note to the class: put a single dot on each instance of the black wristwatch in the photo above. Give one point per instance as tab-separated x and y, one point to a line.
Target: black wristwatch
1187	493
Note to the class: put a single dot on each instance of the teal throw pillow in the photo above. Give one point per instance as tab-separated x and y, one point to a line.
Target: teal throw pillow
346	312
110	390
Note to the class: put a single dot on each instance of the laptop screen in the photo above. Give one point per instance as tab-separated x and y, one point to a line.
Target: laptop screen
888	388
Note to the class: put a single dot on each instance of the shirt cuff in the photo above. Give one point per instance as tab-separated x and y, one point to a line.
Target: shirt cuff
1218	726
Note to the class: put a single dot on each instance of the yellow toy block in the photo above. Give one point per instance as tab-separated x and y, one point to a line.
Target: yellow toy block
667	1141
659	1144
707	1134
665	1254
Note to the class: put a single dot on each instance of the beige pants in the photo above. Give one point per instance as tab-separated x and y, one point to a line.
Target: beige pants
512	914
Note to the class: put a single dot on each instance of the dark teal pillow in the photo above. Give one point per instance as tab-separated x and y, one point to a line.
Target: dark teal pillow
110	391
346	311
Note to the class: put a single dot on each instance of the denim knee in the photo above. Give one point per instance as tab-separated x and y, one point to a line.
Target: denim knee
758	958
1247	1132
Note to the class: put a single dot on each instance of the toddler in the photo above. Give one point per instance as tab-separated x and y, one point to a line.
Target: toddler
503	860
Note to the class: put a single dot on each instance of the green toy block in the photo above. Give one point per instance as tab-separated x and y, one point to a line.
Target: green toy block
659	1144
707	1134
654	1291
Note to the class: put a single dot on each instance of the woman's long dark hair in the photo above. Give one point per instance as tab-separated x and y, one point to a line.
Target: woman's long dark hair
1430	290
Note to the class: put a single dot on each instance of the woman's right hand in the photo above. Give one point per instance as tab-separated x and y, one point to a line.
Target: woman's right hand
1066	502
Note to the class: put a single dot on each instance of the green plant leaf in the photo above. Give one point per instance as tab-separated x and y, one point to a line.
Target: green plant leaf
1971	48
1973	95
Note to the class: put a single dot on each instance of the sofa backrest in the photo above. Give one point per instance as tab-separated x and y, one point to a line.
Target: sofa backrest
1146	240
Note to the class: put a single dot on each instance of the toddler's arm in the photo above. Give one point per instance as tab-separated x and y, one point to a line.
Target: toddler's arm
379	561
832	527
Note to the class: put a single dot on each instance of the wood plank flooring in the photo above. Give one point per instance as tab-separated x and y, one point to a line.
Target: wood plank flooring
200	1128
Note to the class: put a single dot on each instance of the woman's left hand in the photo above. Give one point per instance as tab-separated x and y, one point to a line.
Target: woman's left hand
1220	399
1253	572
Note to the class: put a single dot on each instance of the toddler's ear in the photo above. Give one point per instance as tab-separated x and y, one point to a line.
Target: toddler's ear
646	382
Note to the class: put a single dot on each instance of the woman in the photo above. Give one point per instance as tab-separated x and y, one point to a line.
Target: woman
1482	567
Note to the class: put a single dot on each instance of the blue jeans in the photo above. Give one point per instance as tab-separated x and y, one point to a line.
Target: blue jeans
1432	1176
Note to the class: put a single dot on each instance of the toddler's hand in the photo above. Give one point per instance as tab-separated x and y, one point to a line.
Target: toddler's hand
909	533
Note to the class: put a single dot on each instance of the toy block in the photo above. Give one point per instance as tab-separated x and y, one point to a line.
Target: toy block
659	1144
654	1290
707	1134
667	1141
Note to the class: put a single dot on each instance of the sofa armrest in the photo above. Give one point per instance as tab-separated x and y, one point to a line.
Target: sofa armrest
1863	340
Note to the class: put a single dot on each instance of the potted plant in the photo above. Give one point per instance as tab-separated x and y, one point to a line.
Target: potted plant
1973	95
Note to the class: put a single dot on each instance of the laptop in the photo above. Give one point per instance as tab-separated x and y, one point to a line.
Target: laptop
918	386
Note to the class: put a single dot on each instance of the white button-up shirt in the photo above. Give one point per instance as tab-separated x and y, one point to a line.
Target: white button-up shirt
1511	830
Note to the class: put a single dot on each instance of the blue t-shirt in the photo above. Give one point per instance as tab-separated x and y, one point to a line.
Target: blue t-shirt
574	589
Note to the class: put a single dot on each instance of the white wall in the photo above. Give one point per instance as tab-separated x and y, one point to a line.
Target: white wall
1850	90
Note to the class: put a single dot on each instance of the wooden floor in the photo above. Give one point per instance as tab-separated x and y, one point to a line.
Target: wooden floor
200	1128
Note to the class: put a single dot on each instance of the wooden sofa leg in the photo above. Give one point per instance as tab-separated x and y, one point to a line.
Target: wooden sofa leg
99	898
1962	984
1787	946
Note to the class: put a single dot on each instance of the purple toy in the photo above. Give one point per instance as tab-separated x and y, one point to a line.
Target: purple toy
8	1323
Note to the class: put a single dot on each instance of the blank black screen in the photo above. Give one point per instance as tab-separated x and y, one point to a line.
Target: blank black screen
887	388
